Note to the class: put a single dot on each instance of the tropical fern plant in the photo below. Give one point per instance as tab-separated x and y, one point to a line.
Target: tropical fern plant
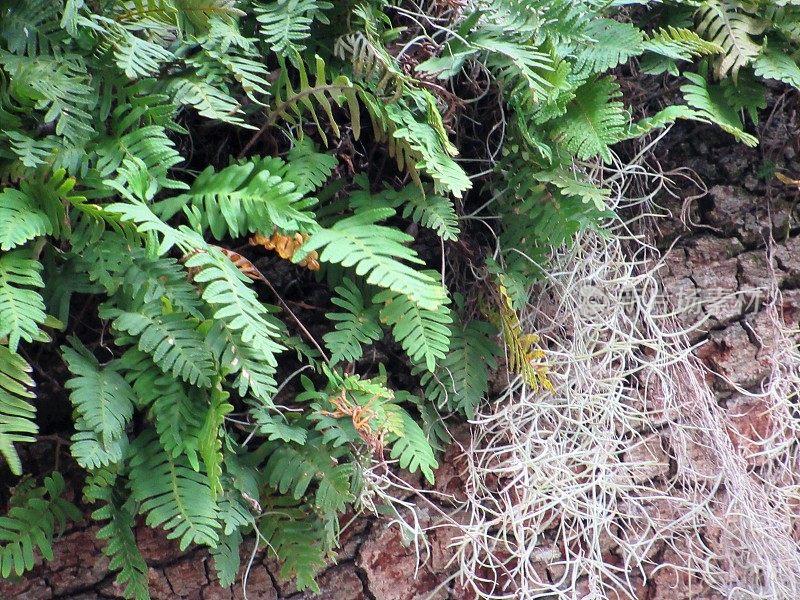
199	200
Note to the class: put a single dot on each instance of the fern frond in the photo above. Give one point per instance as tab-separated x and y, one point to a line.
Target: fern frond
210	439
513	62
411	447
709	102
236	304
226	557
20	219
121	549
286	24
376	251
679	43
63	86
594	120
172	494
423	334
31	27
720	22
417	146
90	451
662	118
33	519
296	539
307	168
357	326
773	64
462	378
253	374
608	44
372	63
101	397
209	100
171	339
432	211
524	356
275	427
130	139
245	198
17	414
21	308
312	98
570	183
149	279
178	416
292	468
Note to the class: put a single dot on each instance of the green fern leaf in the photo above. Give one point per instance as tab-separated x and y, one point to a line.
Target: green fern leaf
376	251
275	427
296	539
253	374
244	198
432	211
125	557
679	43
710	104
34	516
17	414
423	334
721	23
207	99
90	451
291	469
147	279
461	380
21	308
20	219
210	445
609	43
355	327
226	557
307	168
237	304
291	105
101	397
178	415
172	494
411	447
594	120
286	24
773	64
172	339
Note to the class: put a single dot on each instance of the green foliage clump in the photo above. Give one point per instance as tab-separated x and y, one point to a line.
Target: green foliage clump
145	144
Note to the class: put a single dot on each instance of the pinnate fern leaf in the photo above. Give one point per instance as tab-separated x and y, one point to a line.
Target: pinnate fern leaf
17	414
173	495
423	334
236	303
710	103
20	219
33	519
724	24
461	380
376	251
103	486
101	396
594	120
355	327
21	308
171	339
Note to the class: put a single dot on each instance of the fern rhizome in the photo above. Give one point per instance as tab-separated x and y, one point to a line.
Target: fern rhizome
221	221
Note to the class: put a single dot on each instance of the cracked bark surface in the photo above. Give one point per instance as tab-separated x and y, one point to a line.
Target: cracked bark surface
721	253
